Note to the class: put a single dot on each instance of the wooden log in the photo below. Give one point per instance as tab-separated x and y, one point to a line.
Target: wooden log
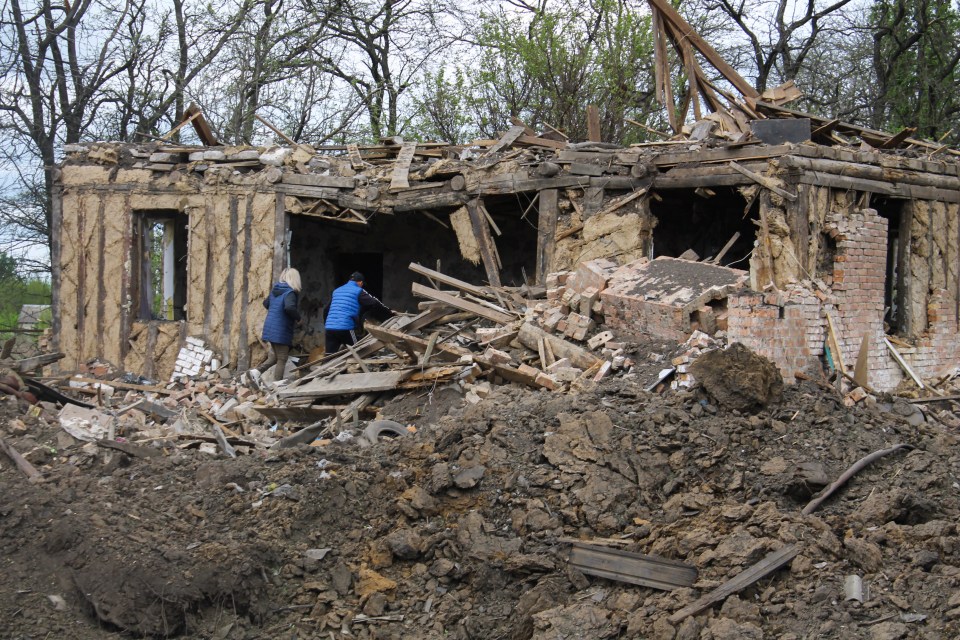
22	463
130	449
741	581
869	172
529	336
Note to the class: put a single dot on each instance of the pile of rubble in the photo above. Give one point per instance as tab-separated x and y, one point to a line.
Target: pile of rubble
484	468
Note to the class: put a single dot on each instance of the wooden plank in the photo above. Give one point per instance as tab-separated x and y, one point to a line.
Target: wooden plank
764	181
22	463
401	168
312	180
459	303
903	363
488	248
449	281
593	123
347	384
116	384
634	568
549	212
129	449
744	579
507	139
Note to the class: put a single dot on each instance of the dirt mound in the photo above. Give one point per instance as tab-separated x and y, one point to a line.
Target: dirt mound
737	378
462	529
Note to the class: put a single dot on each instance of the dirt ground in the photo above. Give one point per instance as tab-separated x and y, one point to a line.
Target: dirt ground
461	530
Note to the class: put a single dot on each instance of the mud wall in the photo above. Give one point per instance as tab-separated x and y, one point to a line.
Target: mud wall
229	265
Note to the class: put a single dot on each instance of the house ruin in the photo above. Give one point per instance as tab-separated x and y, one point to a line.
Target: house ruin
159	242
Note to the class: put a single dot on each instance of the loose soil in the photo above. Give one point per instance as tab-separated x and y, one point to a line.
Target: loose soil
460	530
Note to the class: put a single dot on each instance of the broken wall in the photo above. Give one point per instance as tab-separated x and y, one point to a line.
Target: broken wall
229	268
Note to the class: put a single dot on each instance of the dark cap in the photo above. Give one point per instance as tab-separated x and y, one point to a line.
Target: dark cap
356	276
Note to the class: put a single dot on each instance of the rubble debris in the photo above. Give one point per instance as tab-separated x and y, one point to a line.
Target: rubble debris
849	473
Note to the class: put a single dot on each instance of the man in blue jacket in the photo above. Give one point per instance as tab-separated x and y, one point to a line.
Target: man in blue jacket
348	307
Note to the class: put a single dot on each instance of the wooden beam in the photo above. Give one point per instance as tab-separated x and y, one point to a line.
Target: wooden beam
681	26
200	125
593	123
741	581
764	181
459	303
546	232
488	248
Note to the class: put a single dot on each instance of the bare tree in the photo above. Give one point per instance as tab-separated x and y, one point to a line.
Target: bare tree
780	34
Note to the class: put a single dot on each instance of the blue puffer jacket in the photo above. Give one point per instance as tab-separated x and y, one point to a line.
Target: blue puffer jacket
344	312
282	314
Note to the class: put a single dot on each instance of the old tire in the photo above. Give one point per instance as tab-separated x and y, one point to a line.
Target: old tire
387	428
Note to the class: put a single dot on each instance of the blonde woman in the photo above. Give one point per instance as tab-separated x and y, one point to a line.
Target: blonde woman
282	317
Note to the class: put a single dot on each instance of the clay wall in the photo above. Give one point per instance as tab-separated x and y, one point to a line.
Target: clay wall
229	269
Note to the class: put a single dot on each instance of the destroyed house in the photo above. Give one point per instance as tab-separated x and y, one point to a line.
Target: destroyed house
807	253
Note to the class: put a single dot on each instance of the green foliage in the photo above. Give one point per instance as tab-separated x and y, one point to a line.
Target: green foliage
16	291
916	44
546	67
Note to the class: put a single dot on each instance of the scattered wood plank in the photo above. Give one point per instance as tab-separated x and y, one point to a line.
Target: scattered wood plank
460	303
635	568
401	170
507	139
347	384
539	141
854	469
903	363
117	384
739	582
726	247
415	345
22	463
529	336
151	408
